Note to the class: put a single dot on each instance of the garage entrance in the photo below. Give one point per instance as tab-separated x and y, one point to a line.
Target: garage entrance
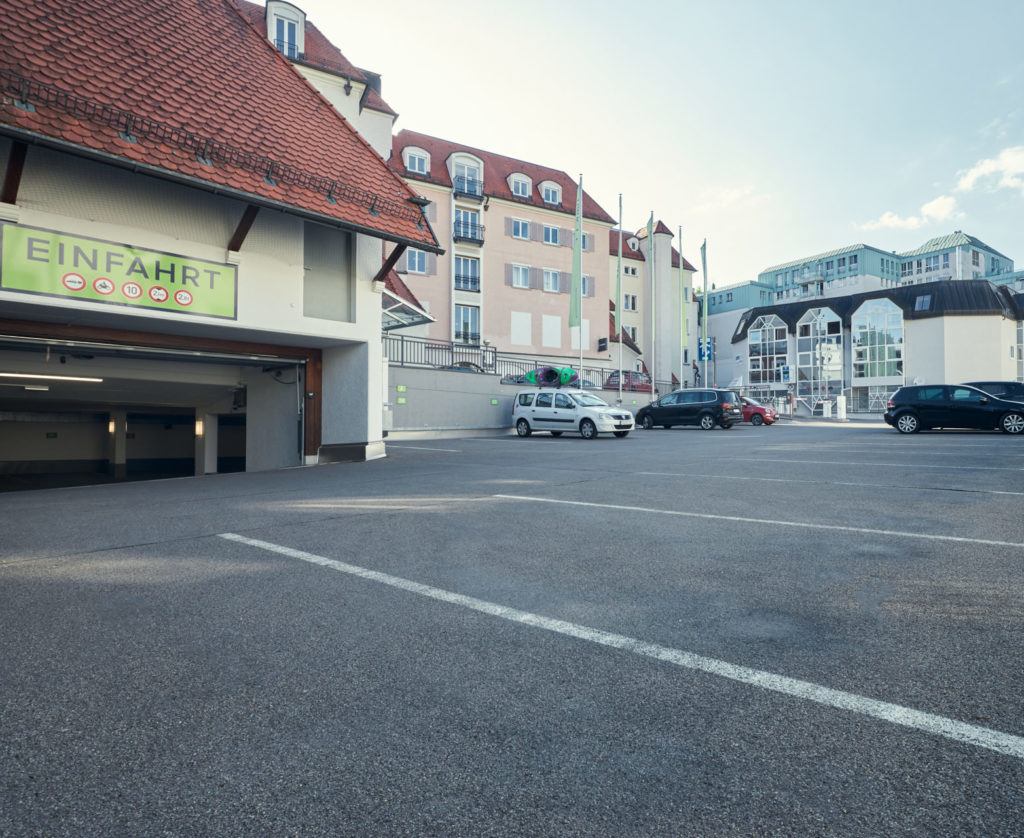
76	412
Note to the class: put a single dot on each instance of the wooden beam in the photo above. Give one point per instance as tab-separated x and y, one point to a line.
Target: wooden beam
389	263
15	169
238	239
313	413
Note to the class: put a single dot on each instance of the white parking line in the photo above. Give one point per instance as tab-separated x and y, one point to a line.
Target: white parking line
872	464
424	448
993	740
764	521
691	474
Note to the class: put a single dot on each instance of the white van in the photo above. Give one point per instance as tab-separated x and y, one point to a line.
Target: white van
573	411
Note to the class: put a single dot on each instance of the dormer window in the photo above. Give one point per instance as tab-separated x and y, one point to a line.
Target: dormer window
468	178
551	192
417	161
520	186
286	26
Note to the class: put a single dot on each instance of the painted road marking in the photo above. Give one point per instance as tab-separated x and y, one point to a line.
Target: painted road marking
764	521
993	740
423	448
690	474
872	464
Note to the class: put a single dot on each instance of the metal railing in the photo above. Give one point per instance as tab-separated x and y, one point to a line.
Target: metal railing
471	186
407	351
467	231
467	282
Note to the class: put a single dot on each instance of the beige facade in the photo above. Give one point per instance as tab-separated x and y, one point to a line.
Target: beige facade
505	278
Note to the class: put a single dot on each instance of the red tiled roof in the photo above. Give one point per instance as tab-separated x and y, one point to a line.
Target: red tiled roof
393	282
319	53
686	264
497	170
627	251
191	78
624	336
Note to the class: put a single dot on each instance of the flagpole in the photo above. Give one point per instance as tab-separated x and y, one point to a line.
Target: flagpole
654	292
618	300
705	304
682	309
576	291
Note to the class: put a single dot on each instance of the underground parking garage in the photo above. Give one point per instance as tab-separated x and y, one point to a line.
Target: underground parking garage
79	411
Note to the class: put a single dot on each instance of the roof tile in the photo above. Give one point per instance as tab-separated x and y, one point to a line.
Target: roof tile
136	58
497	170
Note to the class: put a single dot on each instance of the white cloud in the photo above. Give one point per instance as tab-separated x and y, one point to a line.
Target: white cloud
938	210
1006	171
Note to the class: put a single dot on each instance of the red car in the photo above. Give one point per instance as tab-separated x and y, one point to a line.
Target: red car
756	413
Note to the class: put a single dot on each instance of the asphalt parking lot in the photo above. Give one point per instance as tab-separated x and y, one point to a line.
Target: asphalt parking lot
805	629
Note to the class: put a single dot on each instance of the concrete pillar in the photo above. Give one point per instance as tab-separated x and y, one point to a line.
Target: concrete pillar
118	444
206	443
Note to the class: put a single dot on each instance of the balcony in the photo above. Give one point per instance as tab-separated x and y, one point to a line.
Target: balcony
465	282
469	187
468	232
463	336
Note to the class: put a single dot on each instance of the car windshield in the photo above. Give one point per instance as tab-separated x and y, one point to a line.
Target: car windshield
587	400
754	402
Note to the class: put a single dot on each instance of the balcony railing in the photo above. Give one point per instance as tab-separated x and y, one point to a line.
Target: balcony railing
464	336
469	187
289	49
467	282
465	231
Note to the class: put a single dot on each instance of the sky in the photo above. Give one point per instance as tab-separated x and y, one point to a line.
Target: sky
772	129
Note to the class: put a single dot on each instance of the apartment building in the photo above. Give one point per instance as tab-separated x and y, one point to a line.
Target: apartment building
506	226
656	300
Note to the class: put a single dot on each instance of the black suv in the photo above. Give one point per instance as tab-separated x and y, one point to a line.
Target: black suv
706	408
1010	390
911	409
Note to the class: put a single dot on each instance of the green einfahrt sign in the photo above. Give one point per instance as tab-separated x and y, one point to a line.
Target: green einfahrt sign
55	264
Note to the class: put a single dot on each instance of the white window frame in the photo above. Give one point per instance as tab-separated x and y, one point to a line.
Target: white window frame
550	234
415	261
520	276
524	229
551	280
416	161
551	192
520	186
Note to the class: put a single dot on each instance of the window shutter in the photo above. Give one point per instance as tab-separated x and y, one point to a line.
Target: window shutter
508	273
537	278
536	232
508	226
564	282
590	285
565	237
432	264
590	242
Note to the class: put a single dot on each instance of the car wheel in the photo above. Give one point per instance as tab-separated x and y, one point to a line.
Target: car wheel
523	428
588	430
726	425
557	433
908	423
707	421
1012	423
757	419
648	422
621	434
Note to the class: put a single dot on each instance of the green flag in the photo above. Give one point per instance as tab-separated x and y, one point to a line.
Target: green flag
682	296
575	304
618	281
